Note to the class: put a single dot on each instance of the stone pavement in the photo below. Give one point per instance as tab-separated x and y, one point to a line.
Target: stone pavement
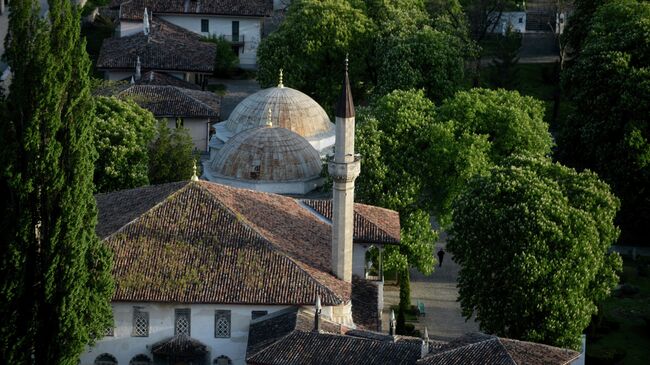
438	292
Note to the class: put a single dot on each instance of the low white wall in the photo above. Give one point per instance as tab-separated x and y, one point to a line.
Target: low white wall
198	128
127	27
161	326
118	75
288	187
249	28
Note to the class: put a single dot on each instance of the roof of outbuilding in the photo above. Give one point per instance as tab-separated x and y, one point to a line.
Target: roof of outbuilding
202	242
134	9
479	348
163	79
172	101
267	154
168	47
288	338
371	224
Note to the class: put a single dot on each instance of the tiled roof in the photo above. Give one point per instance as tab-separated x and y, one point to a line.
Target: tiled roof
134	9
179	345
197	246
478	348
365	305
163	79
172	101
289	339
167	48
371	224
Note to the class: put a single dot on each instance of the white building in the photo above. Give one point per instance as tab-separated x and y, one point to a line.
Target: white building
239	22
513	19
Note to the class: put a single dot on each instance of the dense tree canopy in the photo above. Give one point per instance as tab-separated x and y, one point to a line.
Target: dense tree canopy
55	280
532	239
122	136
171	156
512	123
609	131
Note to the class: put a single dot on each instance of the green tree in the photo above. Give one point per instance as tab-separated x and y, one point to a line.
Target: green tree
532	239
505	63
310	45
122	136
54	271
226	60
579	22
609	131
514	124
171	156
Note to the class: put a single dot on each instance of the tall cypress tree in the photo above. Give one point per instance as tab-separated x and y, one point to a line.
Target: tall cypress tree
55	282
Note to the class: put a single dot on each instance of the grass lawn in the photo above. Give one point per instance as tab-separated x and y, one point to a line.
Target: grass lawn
624	329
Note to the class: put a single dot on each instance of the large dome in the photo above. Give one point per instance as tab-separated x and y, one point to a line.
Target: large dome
260	157
291	109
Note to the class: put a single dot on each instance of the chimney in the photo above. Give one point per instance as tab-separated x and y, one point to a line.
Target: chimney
145	23
425	343
344	169
391	324
138	75
317	313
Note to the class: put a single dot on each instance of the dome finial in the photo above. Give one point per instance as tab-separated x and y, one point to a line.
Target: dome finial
280	84
194	177
269	120
346	62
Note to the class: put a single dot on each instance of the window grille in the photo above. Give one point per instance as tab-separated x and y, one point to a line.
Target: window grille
205	25
110	331
140	360
140	323
222	324
258	314
182	322
105	359
222	360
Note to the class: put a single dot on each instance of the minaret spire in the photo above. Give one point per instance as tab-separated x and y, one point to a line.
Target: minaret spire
344	169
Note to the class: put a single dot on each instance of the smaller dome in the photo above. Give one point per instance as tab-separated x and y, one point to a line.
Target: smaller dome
267	154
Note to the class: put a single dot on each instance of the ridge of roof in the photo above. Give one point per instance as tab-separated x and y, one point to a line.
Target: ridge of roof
203	109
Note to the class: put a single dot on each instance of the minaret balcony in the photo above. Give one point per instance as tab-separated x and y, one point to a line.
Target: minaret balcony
344	171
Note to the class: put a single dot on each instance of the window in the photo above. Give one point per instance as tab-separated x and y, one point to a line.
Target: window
221	324
222	360
521	20
140	360
140	323
235	31
182	322
258	314
105	359
110	331
205	25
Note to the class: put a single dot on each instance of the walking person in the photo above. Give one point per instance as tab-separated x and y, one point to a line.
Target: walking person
441	256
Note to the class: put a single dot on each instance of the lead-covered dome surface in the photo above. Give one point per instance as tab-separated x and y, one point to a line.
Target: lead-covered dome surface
291	109
267	154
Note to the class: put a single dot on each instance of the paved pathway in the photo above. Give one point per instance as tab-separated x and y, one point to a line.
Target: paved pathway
438	292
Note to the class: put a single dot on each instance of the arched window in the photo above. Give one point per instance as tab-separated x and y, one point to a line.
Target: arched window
105	359
222	360
140	360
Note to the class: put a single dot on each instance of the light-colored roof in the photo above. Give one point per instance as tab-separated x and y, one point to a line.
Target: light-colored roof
291	109
267	154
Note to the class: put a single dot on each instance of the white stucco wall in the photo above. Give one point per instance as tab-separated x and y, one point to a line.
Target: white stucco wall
249	28
127	28
118	75
198	128
161	326
516	19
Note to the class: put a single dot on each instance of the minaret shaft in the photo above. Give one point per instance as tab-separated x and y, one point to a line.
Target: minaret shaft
344	169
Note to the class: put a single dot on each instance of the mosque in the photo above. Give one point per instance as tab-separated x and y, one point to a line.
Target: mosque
273	141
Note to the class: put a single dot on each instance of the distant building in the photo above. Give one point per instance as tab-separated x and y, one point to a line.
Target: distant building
238	21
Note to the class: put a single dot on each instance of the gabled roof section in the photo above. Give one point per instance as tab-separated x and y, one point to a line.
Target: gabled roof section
289	339
167	47
479	348
134	9
194	245
163	79
371	224
172	101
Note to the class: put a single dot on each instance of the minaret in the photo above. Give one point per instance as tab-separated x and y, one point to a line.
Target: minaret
344	169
